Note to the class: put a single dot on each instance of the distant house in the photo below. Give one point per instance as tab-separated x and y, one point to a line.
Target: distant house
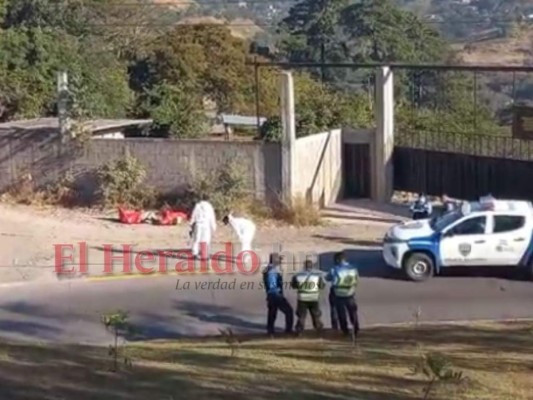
100	128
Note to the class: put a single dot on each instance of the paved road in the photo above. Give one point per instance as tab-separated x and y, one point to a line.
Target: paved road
70	311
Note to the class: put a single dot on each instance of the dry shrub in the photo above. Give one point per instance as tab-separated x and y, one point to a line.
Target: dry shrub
300	213
254	208
121	183
25	191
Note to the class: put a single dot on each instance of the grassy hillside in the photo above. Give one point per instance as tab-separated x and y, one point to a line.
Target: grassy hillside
243	28
495	359
506	51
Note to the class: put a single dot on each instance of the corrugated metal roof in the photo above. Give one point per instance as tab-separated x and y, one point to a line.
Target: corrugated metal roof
96	125
229	119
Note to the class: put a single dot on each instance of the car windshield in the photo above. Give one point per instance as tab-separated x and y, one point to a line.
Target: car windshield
440	223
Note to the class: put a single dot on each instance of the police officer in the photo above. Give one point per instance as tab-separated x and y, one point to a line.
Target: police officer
448	204
273	282
308	283
344	278
421	208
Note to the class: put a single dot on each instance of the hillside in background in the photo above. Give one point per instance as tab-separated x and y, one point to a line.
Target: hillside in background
175	4
239	27
502	51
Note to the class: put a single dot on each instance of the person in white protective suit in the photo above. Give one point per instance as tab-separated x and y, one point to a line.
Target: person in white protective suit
203	225
244	228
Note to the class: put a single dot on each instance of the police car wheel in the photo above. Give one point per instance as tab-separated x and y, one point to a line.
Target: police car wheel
419	267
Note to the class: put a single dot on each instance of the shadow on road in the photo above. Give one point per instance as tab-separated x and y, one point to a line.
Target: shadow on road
217	314
368	262
189	322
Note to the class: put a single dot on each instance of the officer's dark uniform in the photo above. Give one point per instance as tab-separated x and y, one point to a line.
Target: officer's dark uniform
333	310
308	283
273	282
344	278
421	209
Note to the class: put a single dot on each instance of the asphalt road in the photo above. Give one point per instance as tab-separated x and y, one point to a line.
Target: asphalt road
160	307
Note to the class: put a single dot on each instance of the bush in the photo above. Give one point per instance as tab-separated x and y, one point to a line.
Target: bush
300	213
24	191
225	188
272	130
121	183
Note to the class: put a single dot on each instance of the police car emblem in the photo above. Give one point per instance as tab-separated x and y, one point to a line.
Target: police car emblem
465	249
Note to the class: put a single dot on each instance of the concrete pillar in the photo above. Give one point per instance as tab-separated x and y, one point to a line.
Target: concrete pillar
288	139
383	143
63	97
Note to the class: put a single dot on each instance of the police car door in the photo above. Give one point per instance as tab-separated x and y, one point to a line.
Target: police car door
509	238
465	243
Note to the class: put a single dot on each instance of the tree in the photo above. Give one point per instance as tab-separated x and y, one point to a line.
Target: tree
29	61
67	15
177	112
208	58
312	32
378	31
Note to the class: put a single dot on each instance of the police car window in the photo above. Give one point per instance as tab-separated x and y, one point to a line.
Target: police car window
440	223
508	223
471	226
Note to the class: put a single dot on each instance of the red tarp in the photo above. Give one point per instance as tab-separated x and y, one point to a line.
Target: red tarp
126	216
165	216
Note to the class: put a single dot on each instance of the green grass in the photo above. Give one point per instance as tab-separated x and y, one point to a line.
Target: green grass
497	360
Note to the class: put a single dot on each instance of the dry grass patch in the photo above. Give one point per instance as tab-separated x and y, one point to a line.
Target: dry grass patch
495	359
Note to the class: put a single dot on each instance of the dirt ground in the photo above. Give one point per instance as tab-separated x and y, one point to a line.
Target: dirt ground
29	235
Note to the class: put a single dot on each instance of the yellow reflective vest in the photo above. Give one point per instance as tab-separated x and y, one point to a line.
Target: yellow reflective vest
345	282
308	286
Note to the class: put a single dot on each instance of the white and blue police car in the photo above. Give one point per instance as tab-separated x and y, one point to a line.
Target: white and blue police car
488	232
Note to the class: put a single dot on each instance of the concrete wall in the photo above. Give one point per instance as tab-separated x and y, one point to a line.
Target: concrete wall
317	167
170	164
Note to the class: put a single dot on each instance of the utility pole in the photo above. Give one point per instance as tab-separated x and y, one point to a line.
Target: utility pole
63	97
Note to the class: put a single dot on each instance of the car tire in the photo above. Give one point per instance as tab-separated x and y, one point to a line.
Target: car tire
419	267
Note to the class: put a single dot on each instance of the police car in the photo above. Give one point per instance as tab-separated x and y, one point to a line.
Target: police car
489	232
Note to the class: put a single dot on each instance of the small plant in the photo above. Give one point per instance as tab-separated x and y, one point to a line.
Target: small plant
231	340
437	368
417	314
122	184
299	213
271	130
81	133
117	323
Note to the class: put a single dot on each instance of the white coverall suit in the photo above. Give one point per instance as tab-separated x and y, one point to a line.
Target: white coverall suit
245	230
203	216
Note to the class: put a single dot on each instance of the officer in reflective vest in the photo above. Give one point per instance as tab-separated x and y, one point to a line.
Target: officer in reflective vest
344	278
273	283
308	283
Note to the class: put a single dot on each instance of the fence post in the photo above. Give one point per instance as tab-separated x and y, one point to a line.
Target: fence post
383	143
288	139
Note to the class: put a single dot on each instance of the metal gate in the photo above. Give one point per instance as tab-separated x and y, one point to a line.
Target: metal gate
356	170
